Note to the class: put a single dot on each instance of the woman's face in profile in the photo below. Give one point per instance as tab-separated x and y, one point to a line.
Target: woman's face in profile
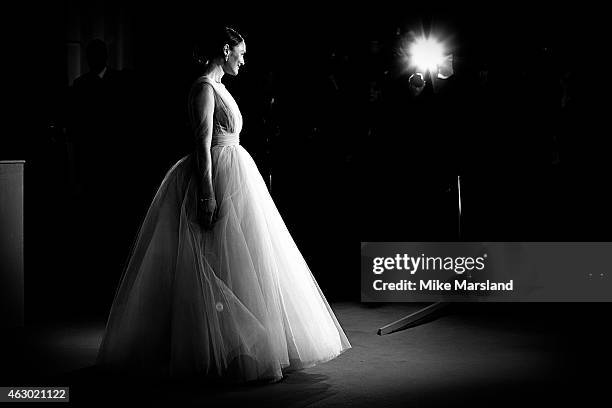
235	59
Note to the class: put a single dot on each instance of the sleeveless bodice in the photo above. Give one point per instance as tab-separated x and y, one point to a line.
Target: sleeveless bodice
227	119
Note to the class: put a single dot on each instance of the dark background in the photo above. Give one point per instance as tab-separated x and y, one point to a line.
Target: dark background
327	113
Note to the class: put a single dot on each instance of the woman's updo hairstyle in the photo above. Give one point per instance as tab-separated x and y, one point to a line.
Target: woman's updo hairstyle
209	45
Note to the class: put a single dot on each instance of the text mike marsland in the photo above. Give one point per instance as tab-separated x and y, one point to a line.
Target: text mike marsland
436	285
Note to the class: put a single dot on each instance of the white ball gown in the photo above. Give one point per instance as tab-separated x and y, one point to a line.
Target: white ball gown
237	302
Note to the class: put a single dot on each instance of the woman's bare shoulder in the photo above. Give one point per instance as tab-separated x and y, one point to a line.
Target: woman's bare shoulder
202	88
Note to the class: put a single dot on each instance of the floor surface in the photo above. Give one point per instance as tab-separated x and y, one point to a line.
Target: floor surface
467	354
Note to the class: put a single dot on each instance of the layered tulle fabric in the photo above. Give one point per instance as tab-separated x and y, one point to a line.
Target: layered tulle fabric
236	302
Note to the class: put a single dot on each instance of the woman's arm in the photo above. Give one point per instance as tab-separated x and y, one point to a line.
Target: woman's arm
203	111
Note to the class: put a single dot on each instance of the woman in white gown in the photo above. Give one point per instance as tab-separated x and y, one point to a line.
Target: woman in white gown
215	285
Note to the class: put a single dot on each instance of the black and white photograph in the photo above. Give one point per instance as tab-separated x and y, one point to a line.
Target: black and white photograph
302	204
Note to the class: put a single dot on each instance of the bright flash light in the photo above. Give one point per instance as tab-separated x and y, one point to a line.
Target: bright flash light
427	54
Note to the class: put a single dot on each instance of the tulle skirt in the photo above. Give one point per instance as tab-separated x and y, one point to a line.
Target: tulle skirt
236	303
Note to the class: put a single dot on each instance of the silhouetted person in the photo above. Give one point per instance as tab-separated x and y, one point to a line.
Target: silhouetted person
98	131
96	118
404	162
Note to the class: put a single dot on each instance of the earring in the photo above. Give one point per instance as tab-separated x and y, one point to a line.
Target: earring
226	57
